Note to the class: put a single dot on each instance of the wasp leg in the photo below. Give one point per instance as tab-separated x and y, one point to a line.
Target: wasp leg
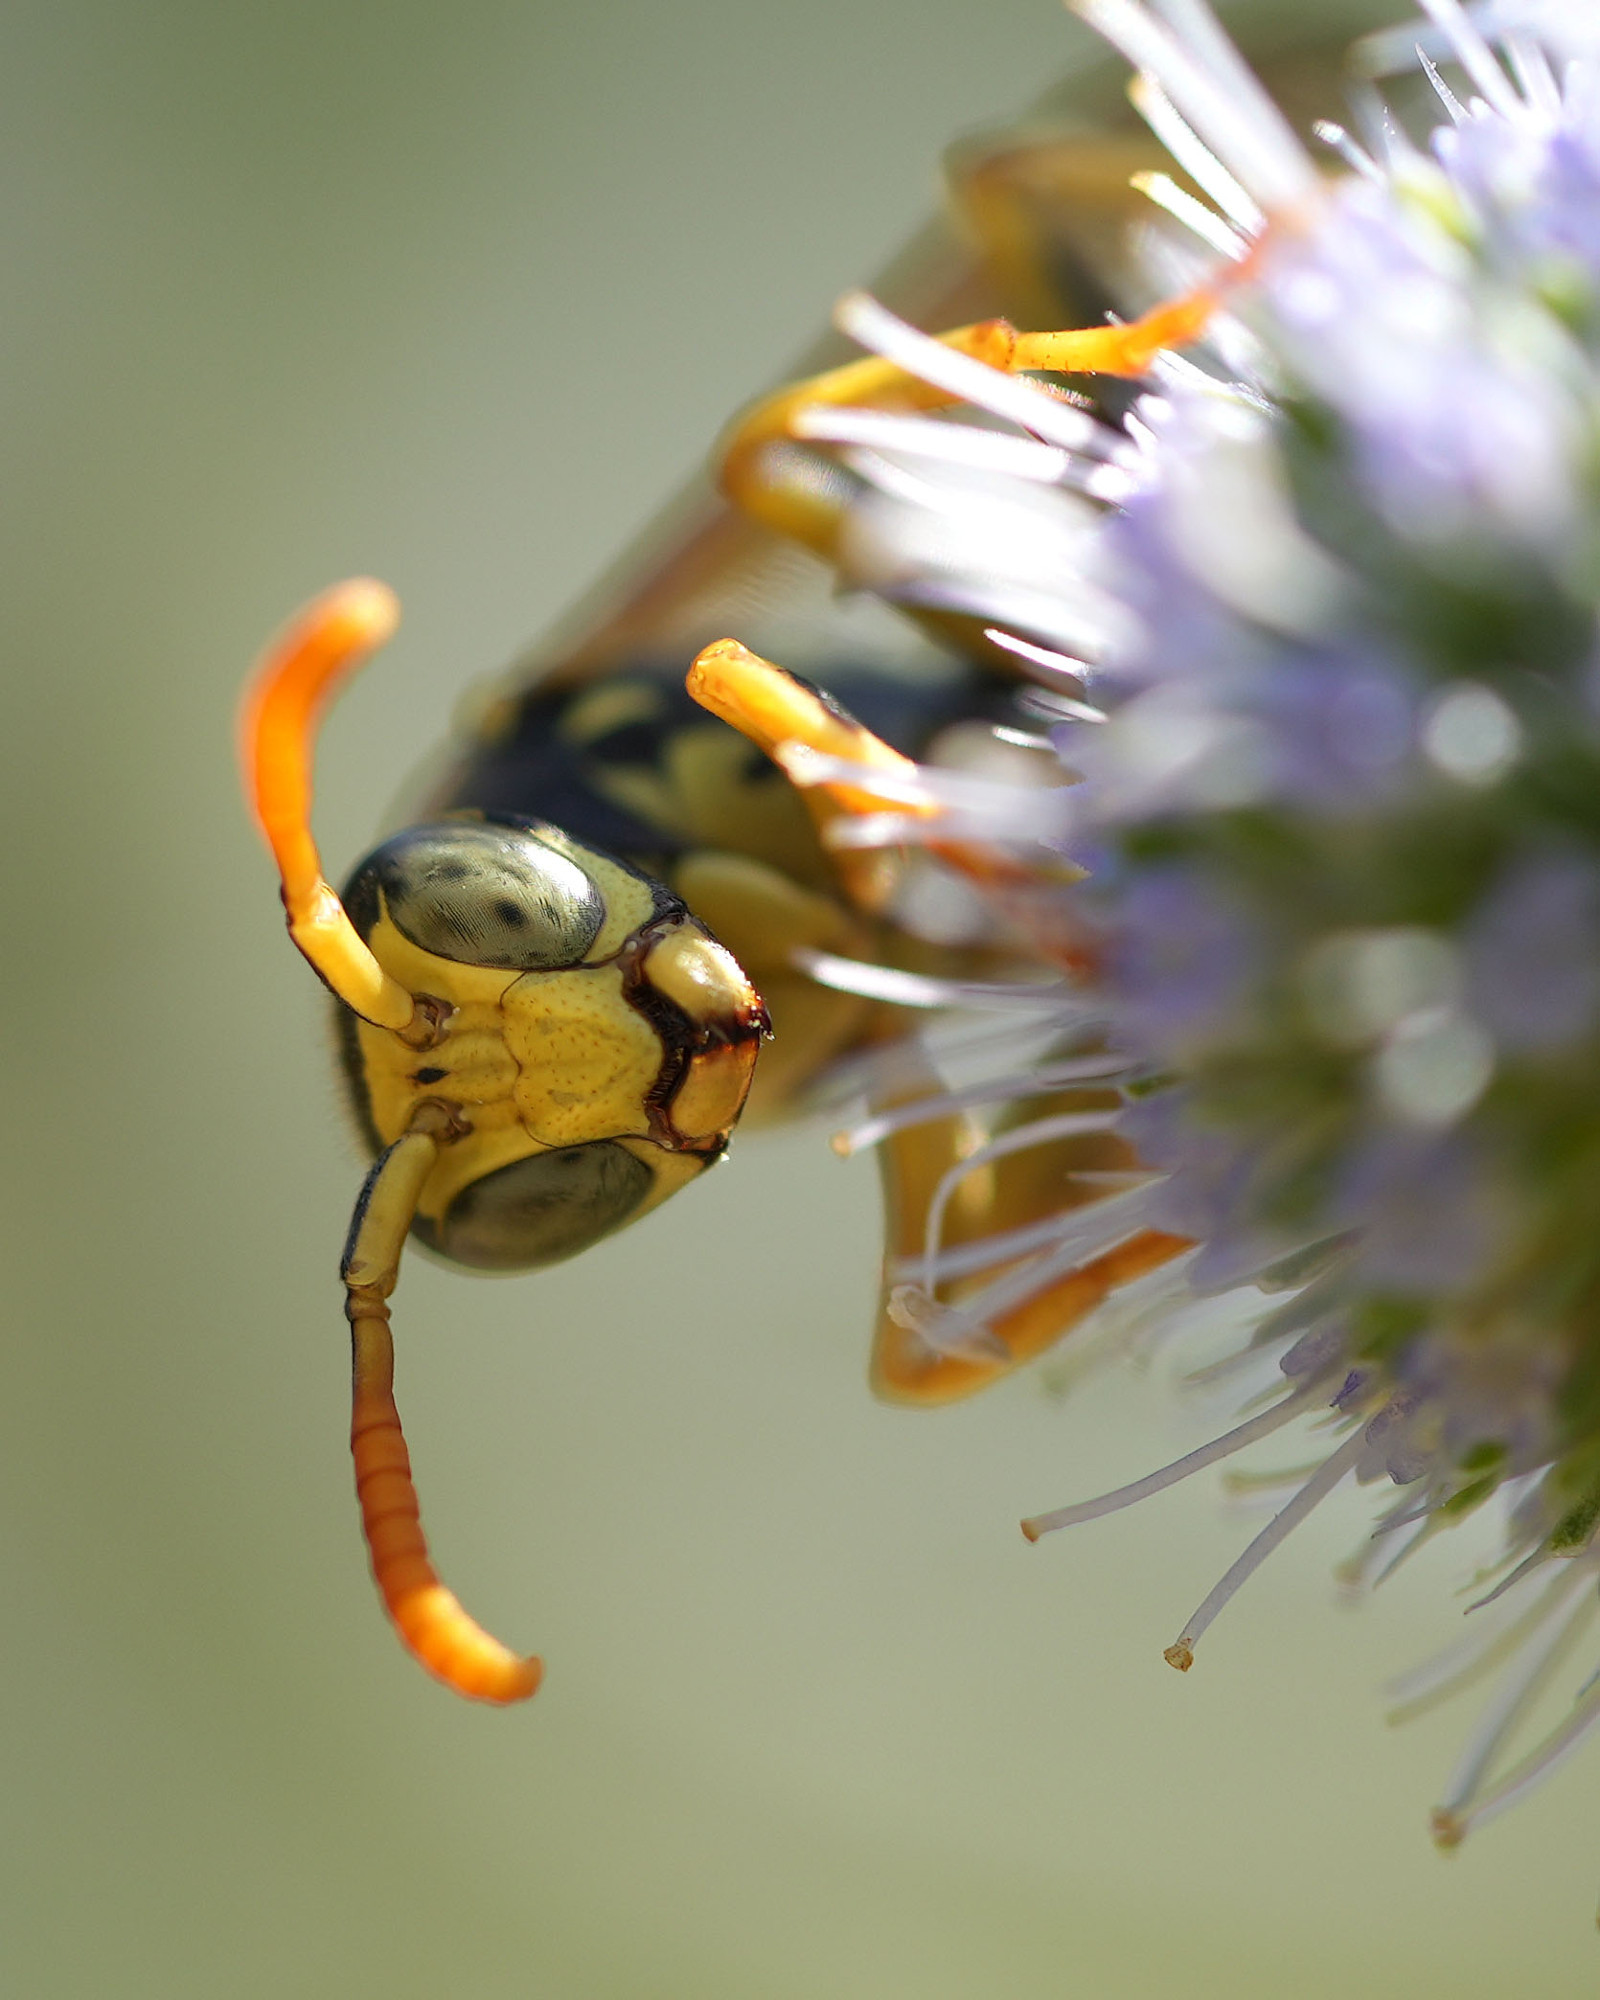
435	1629
978	1183
807	512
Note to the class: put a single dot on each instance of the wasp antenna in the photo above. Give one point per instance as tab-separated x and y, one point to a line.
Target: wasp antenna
829	756
844	772
434	1628
772	708
297	676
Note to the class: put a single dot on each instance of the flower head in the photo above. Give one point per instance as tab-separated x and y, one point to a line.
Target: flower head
1315	632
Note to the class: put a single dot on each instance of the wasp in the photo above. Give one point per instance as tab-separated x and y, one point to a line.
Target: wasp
615	925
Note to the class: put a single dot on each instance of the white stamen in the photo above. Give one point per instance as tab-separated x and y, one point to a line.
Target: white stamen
1013	824
1112	485
1005	1247
943	1329
1359	1575
1203	222
1535	78
1196	25
929	437
1247	1433
953	802
883	830
1511	1702
1243	1485
917	989
1180	1653
1356	157
1454	108
1041	656
1407	1549
1474	54
1171	369
926	785
891	1071
1452	1828
805	767
1078	1236
944	1104
1482	1647
1022	739
1054	707
872	326
1242	126
1065	1125
1402	1517
1191	153
1526	1567
1080	626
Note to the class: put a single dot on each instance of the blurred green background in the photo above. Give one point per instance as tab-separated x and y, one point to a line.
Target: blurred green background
456	295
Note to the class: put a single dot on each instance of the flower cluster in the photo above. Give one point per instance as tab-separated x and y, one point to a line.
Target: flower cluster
1314	630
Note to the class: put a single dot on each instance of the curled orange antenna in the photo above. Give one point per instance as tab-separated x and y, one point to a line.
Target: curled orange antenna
798	728
435	1629
769	706
292	686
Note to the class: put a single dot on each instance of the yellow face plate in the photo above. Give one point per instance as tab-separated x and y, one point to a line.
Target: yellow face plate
536	1061
584	1058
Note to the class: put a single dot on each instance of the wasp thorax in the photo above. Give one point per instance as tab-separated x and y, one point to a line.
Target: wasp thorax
596	1042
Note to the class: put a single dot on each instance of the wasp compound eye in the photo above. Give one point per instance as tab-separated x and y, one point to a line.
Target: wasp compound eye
540	1209
479	894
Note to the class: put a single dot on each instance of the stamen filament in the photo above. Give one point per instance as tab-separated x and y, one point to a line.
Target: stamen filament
917	989
1478	1652
1450	1829
1247	1433
1194	215
1190	152
1180	1653
1025	1083
1511	1702
929	437
1065	1125
1474	55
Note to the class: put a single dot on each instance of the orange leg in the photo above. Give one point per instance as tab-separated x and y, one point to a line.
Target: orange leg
908	1369
810	517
